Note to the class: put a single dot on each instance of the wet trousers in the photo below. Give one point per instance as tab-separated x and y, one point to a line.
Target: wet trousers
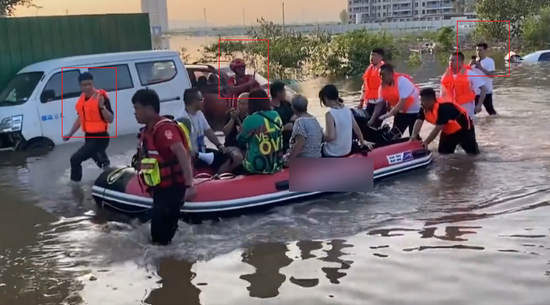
167	203
488	103
463	138
402	121
93	148
370	111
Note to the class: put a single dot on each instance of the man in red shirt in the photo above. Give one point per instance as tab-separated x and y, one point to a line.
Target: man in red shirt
164	165
240	82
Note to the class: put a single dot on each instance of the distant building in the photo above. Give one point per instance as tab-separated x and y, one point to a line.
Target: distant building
381	11
158	20
158	14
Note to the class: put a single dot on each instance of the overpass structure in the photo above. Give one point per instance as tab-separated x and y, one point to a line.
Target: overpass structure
464	27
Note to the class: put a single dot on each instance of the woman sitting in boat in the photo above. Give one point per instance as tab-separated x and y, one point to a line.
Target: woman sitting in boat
340	125
233	122
306	140
261	133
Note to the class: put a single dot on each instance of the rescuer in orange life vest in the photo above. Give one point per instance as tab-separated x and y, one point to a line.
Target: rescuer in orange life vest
371	83
164	165
450	119
460	84
94	115
240	82
401	94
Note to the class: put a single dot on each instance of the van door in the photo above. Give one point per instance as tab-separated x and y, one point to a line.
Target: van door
57	98
169	79
116	80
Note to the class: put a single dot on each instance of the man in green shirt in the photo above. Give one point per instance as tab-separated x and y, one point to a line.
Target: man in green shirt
262	133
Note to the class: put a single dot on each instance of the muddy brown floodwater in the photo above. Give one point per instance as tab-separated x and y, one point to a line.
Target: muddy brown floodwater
465	231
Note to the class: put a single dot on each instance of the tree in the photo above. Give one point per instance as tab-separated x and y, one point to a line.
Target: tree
344	16
515	11
536	30
7	7
445	38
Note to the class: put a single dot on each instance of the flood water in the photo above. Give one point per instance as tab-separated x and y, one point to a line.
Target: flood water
465	231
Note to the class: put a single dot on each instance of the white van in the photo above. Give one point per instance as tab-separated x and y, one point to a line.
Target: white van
31	104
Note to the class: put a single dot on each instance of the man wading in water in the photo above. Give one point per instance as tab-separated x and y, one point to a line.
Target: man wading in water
94	116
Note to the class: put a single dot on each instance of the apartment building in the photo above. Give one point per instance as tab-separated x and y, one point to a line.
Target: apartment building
380	11
158	14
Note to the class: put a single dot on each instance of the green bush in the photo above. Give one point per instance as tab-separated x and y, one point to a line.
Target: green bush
297	56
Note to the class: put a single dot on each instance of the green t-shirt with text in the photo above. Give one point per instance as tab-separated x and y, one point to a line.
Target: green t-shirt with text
262	134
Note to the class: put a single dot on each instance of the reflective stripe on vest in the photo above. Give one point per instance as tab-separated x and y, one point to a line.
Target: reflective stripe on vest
452	126
372	81
457	89
91	120
390	93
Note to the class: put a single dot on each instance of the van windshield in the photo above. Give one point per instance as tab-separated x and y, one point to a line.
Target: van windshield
20	88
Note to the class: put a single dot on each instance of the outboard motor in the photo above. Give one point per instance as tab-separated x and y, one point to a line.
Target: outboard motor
381	136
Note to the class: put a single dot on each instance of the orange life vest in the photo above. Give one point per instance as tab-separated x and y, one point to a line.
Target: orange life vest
89	113
371	81
452	126
457	89
390	93
170	170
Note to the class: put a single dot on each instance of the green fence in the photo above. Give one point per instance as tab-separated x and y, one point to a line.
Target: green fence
28	40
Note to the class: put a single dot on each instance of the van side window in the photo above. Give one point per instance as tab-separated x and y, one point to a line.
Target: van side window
112	78
156	72
71	88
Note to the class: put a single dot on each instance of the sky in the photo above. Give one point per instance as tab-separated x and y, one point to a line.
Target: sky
218	12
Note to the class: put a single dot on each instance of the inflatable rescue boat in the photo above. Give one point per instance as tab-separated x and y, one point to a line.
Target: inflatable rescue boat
120	189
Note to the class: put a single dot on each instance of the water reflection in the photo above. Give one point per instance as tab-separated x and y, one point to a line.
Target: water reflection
268	259
334	254
176	282
452	233
306	248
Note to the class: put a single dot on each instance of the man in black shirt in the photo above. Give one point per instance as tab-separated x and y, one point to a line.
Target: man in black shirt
284	109
450	120
94	116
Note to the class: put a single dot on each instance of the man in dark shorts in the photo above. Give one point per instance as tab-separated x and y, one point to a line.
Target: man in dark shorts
450	120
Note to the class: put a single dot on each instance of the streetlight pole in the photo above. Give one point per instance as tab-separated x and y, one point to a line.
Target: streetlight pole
283	15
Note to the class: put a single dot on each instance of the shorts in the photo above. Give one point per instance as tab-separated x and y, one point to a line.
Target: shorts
463	138
219	159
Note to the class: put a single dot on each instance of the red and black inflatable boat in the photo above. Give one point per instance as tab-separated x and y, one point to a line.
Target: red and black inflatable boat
119	188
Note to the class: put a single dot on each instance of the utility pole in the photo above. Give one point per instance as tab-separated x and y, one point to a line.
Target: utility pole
204	15
244	18
283	15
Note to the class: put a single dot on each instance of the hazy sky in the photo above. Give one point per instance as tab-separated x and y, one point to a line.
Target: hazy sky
220	12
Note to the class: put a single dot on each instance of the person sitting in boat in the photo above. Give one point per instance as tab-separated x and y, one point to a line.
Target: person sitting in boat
193	116
240	82
233	123
340	125
262	134
306	140
451	121
402	96
284	109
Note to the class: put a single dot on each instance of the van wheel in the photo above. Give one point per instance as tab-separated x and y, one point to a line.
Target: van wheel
37	144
